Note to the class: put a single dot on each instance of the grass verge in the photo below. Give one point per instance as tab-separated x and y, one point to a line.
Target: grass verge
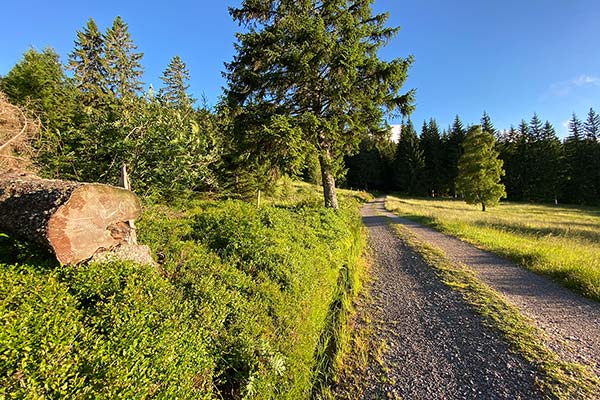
562	380
561	242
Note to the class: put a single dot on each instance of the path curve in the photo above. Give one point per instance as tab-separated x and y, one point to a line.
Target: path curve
571	321
429	342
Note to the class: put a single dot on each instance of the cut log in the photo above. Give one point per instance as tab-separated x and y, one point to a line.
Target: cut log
74	220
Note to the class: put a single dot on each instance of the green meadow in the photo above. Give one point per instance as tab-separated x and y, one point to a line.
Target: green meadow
561	242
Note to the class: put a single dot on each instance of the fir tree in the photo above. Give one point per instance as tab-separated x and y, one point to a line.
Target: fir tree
409	160
88	63
123	67
549	165
432	151
486	124
317	65
480	170
592	126
175	79
452	153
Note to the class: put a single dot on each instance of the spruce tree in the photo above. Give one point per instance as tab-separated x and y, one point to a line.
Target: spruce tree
431	144
88	63
452	152
175	80
486	124
591	126
123	67
409	160
315	63
507	145
580	185
549	167
480	170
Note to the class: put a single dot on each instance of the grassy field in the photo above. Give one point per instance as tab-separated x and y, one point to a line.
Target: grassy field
562	242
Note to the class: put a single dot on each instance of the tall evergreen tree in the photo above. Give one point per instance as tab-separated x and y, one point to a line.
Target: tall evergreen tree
592	126
549	165
123	64
88	63
508	147
452	152
535	128
487	125
176	84
431	144
316	63
580	186
480	170
409	160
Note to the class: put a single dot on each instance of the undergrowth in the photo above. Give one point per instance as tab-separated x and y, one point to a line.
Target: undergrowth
245	303
560	379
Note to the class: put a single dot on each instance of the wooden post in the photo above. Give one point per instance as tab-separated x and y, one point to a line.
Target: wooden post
126	184
258	200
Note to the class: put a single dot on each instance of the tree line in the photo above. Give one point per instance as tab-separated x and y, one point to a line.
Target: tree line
96	116
538	166
305	86
307	99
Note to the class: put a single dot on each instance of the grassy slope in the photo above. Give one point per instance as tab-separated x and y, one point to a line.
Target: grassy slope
560	242
247	303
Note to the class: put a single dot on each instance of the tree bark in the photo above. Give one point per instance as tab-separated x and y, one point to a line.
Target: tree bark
483	207
329	192
74	220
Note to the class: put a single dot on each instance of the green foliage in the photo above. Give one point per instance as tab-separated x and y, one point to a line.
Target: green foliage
241	307
409	160
176	83
122	63
480	170
317	65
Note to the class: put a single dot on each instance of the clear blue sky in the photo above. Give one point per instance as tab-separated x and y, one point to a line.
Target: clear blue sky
510	57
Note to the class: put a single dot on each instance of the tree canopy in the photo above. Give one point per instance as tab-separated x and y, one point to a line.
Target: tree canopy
480	170
316	63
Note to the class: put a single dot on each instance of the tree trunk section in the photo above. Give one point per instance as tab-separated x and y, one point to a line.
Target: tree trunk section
74	220
329	192
483	207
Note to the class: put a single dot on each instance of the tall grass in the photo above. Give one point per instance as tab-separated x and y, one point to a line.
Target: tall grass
562	242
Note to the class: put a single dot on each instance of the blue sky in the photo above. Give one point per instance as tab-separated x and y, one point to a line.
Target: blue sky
511	58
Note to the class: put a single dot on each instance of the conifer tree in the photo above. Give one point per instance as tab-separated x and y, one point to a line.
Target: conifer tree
176	83
486	124
549	165
409	160
535	128
122	62
452	153
88	63
432	151
480	170
592	126
315	63
580	182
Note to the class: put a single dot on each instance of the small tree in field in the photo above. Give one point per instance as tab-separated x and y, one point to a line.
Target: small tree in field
480	170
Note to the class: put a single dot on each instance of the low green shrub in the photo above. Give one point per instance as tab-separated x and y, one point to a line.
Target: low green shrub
244	304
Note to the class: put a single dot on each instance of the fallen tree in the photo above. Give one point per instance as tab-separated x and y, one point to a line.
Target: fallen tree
76	221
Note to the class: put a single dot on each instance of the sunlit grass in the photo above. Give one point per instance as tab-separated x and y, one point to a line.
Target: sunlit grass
562	242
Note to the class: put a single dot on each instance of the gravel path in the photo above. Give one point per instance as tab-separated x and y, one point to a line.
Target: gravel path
571	321
429	344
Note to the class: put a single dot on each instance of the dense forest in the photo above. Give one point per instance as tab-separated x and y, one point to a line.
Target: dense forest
539	167
96	116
